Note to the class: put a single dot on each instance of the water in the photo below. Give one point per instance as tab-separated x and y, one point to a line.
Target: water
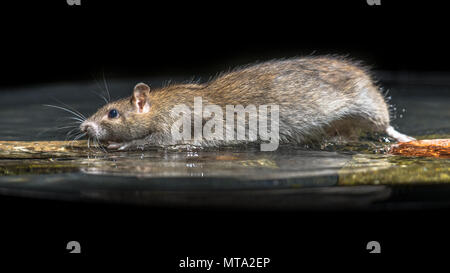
355	176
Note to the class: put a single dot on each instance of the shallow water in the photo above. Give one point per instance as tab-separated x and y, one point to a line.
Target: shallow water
291	177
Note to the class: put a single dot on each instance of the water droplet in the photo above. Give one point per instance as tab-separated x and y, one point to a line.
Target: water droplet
403	110
401	116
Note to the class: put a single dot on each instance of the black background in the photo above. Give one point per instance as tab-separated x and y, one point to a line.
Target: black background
45	41
48	41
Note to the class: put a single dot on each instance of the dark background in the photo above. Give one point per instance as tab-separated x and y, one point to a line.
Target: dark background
46	41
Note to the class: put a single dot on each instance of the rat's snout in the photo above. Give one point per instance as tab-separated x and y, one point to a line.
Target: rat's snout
90	128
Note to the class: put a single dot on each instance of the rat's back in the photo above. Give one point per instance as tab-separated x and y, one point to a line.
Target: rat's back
316	96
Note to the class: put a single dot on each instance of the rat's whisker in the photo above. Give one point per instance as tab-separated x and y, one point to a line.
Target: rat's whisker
76	138
75	128
79	121
101	96
79	136
70	134
70	108
94	140
104	149
97	144
106	87
101	147
67	110
56	128
66	120
66	127
73	124
69	137
76	118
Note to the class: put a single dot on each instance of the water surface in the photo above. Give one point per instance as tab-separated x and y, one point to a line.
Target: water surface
355	176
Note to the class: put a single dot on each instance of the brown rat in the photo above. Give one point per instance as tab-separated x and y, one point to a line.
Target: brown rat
318	98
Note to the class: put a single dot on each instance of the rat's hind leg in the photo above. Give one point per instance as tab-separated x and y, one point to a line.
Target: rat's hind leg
371	106
367	113
397	135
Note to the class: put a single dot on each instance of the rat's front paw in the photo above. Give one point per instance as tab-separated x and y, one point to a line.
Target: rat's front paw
118	146
121	146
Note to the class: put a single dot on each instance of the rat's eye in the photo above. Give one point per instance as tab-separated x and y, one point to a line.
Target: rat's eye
113	113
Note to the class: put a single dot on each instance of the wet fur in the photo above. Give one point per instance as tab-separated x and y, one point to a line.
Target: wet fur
319	98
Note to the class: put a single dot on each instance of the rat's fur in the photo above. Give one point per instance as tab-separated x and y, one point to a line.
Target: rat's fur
319	98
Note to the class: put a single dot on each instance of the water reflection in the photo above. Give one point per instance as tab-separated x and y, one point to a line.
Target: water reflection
76	170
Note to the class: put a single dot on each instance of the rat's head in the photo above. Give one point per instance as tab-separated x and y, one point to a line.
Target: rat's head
121	120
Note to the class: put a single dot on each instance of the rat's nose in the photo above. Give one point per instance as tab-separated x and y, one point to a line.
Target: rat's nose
89	128
84	127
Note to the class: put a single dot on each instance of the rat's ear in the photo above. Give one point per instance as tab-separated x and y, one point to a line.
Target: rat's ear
140	98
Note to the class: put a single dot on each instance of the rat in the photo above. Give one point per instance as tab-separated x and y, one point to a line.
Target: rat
318	97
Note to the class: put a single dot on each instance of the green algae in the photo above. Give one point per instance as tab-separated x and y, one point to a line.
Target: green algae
366	169
22	167
365	163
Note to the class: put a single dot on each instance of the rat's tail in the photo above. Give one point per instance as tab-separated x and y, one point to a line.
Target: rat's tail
397	135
